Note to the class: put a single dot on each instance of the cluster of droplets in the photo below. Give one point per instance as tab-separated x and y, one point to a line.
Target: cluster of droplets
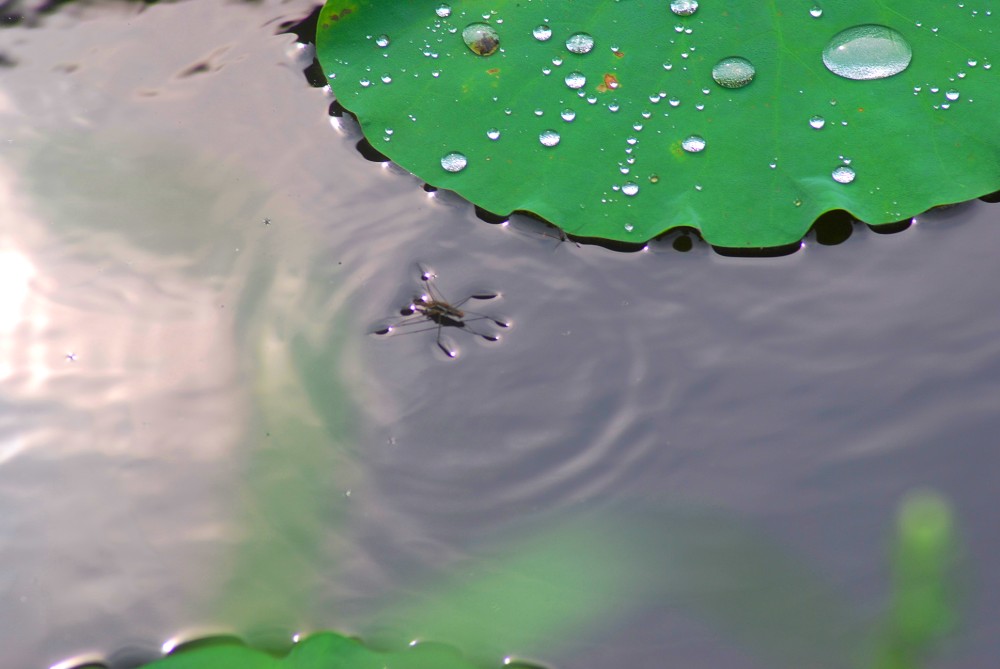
864	52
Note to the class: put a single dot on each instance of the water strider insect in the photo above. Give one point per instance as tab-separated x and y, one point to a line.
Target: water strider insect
433	311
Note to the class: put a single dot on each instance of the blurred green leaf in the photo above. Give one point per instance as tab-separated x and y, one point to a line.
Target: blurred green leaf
765	174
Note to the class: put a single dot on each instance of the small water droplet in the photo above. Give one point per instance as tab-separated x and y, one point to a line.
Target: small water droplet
382	41
629	227
843	174
549	138
576	80
568	115
952	95
693	144
654	178
481	39
539	112
684	7
816	11
614	106
817	122
454	161
630	188
443	10
972	62
493	134
580	43
867	52
542	32
386	79
733	72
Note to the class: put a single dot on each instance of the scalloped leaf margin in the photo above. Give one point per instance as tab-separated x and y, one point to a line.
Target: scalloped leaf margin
765	174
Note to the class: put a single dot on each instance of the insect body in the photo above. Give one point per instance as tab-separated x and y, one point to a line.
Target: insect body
434	312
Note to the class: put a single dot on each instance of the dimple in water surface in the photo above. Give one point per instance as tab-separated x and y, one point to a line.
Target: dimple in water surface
867	52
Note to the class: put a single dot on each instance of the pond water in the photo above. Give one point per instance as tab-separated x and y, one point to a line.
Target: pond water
200	434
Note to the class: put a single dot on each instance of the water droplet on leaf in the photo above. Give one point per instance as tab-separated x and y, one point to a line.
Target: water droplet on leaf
443	10
549	138
630	188
693	144
867	52
843	174
580	43
382	41
817	122
542	33
816	11
481	39
454	161
734	72
576	80
568	115
684	7
493	134
952	95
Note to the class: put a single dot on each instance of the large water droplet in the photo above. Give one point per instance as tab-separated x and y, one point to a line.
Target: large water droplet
382	41
454	161
952	95
580	43
630	188
693	144
493	134
843	174
443	10
481	39
867	52
568	115
734	72
684	7
576	80
816	11
817	122
549	138
542	32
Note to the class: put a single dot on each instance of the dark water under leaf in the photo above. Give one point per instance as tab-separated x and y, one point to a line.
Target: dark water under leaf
199	433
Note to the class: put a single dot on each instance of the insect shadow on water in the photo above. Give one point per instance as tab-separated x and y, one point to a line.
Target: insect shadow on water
431	311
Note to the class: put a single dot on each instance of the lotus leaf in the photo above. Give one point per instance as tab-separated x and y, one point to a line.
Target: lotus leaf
630	135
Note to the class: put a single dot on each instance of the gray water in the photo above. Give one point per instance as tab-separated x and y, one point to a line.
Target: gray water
200	434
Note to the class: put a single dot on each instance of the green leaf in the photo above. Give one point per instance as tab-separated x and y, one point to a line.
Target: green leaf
323	650
425	94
